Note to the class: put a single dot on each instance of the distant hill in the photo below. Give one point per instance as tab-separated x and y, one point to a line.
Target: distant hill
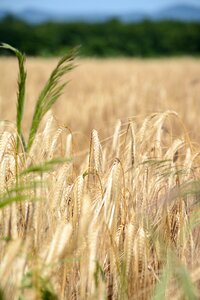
133	17
179	12
34	16
3	13
187	13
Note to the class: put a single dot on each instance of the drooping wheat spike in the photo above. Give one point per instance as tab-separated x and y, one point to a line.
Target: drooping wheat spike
173	149
95	159
110	200
59	185
130	149
170	154
115	143
58	243
79	193
97	150
67	191
50	93
3	172
142	252
69	146
54	142
21	89
4	141
144	128
158	125
188	165
128	244
47	132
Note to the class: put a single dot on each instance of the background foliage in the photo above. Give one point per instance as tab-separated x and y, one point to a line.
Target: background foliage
113	38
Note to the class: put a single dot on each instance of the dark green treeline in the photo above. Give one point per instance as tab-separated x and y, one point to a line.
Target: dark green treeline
110	39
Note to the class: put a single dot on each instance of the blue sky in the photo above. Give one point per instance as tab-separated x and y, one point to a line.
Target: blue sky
91	5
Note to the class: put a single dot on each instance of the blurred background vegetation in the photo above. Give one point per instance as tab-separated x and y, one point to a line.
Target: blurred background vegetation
109	39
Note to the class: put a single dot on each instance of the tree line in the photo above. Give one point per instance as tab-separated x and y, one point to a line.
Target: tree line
109	39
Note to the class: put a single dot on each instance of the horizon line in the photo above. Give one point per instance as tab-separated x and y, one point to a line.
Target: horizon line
51	10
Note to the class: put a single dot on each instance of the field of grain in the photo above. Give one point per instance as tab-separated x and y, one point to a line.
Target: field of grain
102	91
104	204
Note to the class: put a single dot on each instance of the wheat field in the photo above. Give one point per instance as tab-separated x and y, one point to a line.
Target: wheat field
102	91
104	204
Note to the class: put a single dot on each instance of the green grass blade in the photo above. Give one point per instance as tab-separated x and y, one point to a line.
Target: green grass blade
11	199
21	88
50	93
161	287
184	280
18	193
175	269
45	166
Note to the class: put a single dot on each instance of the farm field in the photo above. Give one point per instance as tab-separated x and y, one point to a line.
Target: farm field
104	204
102	91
